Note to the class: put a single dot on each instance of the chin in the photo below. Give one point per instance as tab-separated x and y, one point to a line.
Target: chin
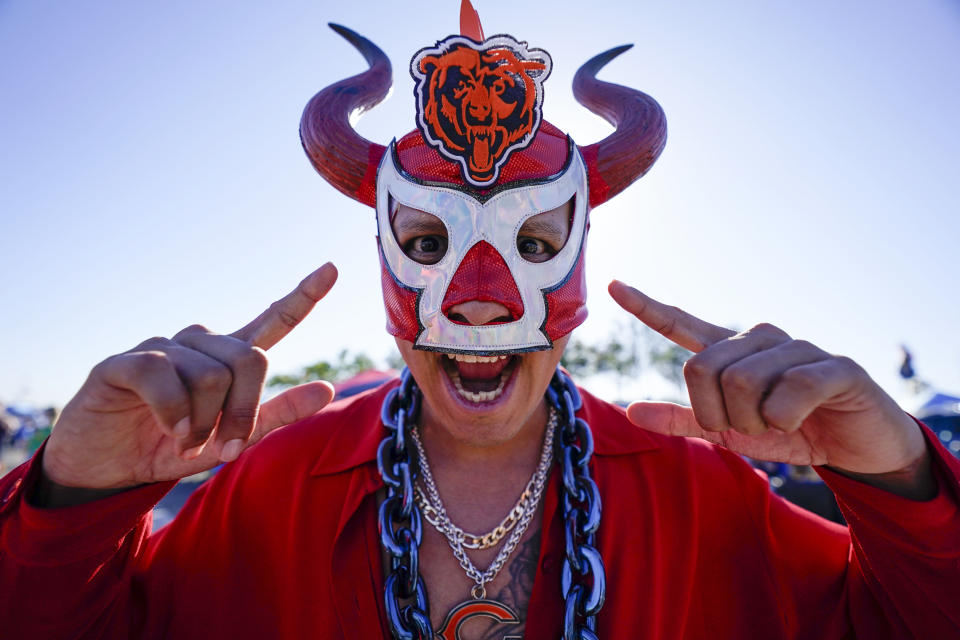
482	400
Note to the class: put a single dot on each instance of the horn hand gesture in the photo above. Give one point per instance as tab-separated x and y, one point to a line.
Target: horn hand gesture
170	408
768	396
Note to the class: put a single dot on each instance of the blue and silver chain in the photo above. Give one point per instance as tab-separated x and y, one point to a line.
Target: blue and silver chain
401	526
583	578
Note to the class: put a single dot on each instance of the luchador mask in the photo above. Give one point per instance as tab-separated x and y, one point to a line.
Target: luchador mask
483	161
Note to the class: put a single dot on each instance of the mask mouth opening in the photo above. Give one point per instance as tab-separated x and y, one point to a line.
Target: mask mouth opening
479	378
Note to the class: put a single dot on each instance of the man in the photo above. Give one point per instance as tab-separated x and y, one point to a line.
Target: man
397	512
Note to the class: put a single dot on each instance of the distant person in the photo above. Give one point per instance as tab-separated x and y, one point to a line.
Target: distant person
42	429
6	430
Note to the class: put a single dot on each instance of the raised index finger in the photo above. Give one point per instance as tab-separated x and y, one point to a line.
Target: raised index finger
282	316
673	323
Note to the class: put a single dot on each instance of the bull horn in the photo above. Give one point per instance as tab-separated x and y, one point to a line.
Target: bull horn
641	129
343	157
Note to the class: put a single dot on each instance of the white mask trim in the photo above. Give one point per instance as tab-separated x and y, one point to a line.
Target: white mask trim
469	221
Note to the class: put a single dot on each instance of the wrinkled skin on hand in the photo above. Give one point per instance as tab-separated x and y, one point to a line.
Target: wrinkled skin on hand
768	396
170	408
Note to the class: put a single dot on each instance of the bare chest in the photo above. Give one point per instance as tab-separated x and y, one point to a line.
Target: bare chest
501	613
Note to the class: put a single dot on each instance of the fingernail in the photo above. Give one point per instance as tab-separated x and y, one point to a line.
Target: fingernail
190	454
231	449
182	428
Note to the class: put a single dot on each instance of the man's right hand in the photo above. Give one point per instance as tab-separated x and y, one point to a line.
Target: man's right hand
170	408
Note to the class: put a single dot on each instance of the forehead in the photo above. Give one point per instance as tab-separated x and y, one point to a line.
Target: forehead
547	156
491	213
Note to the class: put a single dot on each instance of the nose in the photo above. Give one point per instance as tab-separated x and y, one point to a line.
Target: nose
478	312
482	290
479	110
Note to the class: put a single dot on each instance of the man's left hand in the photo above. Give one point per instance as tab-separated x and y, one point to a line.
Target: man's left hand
767	396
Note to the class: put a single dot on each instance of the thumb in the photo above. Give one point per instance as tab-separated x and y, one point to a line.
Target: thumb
292	405
668	419
671	419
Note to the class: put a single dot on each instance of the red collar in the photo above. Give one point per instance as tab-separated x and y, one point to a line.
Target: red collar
357	433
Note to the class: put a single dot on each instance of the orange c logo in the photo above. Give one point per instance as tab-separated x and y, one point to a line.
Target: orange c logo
471	609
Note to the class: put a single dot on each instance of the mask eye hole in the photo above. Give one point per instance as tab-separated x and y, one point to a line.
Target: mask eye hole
543	236
422	236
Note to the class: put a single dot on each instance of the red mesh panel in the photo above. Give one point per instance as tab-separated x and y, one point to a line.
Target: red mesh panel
599	190
483	276
544	157
567	306
400	303
367	191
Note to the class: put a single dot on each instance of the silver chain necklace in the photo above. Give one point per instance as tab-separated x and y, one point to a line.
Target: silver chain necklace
436	514
473	540
583	581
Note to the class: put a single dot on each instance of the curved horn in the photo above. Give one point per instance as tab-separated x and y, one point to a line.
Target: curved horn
627	153
346	159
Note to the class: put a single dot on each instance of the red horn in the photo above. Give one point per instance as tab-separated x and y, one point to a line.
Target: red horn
627	153
346	159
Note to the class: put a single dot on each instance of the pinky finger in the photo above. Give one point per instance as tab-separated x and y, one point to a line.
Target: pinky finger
802	389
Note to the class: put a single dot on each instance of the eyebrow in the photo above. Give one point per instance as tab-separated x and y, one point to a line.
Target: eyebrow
544	227
422	224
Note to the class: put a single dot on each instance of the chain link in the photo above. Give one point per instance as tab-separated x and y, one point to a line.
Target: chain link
455	535
400	523
473	540
583	578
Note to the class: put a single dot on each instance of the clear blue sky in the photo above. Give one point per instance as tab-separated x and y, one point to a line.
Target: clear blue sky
151	174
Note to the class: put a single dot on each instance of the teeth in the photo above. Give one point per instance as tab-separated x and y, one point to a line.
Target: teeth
468	358
477	396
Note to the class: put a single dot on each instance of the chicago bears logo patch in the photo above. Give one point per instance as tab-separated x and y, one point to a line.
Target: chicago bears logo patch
470	609
478	103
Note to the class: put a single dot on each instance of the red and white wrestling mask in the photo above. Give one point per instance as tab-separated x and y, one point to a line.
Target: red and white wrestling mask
483	162
545	300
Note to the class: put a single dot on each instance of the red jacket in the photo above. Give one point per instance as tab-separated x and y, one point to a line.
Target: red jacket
283	543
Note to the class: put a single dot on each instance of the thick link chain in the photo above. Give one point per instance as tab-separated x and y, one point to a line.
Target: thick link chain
583	580
400	524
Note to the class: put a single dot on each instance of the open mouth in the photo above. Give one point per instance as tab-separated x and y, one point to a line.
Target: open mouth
478	379
487	143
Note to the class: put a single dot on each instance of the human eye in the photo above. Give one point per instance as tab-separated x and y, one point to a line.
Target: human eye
543	236
422	236
426	249
534	249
